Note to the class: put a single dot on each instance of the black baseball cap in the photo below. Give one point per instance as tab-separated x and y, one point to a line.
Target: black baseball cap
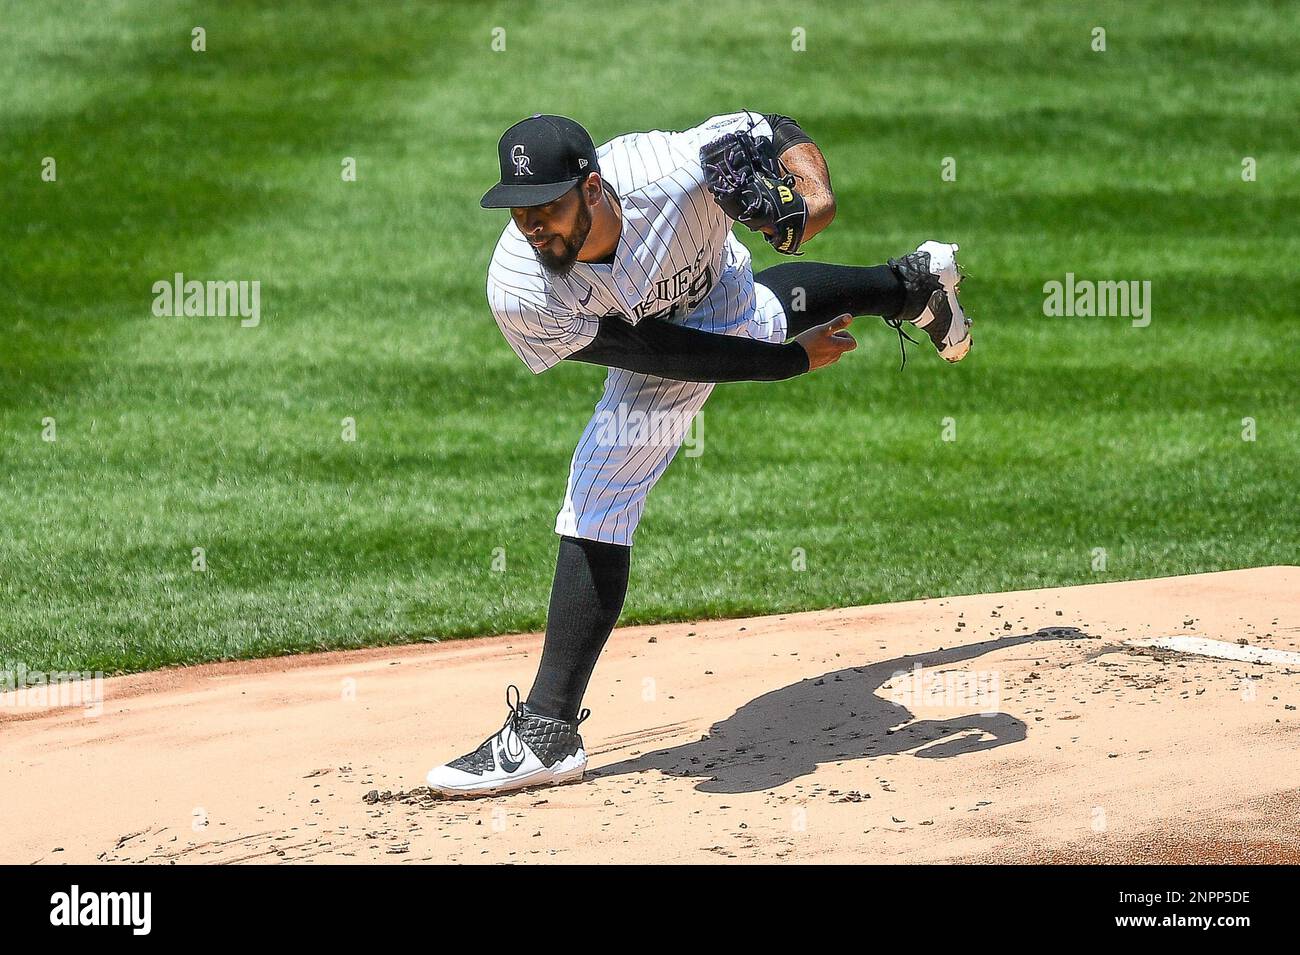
542	158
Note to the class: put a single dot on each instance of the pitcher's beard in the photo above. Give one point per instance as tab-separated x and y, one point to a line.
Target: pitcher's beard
562	263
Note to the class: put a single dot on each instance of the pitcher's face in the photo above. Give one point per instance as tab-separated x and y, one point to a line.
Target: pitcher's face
557	230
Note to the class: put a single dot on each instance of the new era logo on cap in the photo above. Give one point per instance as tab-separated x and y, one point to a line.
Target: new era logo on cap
541	158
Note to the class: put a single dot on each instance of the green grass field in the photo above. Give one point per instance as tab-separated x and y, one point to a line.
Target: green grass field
176	433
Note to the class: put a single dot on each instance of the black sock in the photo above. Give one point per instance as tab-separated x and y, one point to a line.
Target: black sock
831	290
586	597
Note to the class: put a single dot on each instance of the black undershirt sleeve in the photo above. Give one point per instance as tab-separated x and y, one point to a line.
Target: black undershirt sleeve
785	132
656	347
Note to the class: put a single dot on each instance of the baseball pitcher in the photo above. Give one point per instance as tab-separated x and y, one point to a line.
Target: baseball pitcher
623	256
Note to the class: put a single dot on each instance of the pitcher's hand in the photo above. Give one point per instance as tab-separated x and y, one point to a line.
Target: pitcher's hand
826	343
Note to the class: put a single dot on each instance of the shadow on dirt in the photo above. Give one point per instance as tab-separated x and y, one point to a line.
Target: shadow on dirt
783	735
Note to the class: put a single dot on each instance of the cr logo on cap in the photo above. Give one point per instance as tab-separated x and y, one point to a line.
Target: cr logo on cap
521	161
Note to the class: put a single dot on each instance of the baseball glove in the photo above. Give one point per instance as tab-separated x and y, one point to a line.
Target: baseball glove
751	185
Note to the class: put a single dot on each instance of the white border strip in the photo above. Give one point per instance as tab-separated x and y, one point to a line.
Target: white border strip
1218	649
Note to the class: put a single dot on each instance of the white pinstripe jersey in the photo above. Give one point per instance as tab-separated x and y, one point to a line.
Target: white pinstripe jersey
676	258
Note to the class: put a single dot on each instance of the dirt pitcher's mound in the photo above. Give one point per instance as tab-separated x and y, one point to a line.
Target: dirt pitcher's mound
1015	726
